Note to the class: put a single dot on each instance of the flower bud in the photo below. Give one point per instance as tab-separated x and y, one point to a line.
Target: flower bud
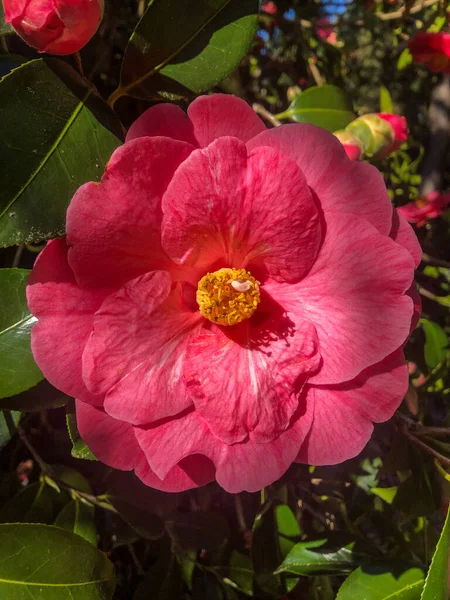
380	133
54	26
352	145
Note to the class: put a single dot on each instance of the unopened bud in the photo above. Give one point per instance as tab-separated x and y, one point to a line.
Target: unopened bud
352	145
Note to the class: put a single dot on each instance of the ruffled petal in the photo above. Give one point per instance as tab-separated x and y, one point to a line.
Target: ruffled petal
135	352
245	380
343	414
222	115
247	466
357	285
65	312
126	244
403	234
113	442
223	206
341	185
191	472
167	120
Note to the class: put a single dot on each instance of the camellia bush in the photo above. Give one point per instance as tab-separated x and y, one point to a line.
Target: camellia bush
224	299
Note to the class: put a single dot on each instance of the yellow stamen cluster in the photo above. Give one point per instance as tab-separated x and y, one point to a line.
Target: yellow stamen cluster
228	296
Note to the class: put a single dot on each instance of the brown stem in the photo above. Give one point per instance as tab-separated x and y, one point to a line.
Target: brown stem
260	110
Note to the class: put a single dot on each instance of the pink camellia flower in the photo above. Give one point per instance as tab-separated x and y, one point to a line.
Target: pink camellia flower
432	50
427	207
325	30
227	301
54	26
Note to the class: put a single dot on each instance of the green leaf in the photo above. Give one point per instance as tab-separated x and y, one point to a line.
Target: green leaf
56	134
198	530
404	59
326	106
143	521
78	517
386	104
5	28
163	580
334	554
79	446
18	371
40	397
436	583
33	504
383	581
8	422
49	563
239	573
185	46
436	343
275	532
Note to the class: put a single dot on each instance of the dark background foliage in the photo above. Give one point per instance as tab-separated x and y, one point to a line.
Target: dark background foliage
377	517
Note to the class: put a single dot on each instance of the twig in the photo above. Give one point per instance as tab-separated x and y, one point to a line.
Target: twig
18	256
401	11
260	110
440	457
435	261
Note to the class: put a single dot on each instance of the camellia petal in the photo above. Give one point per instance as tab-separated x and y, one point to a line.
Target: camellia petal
139	334
339	435
241	209
167	444
127	243
65	322
165	120
403	234
255	399
222	115
348	187
357	284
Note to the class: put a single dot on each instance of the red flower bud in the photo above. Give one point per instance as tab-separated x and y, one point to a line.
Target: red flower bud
54	26
400	127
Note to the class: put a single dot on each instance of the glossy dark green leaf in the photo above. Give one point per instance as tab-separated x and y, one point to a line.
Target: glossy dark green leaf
40	397
8	422
163	580
49	563
239	573
78	517
56	134
335	553
436	583
18	371
79	446
199	530
382	581
5	28
185	46
321	589
327	106
275	532
36	503
143	521
436	343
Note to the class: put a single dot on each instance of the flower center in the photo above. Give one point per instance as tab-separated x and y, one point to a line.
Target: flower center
228	296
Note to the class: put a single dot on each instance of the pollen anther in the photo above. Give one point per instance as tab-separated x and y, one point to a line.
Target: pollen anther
228	296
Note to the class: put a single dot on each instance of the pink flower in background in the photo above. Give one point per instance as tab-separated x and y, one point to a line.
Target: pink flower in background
325	30
427	207
432	50
228	300
54	26
269	7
